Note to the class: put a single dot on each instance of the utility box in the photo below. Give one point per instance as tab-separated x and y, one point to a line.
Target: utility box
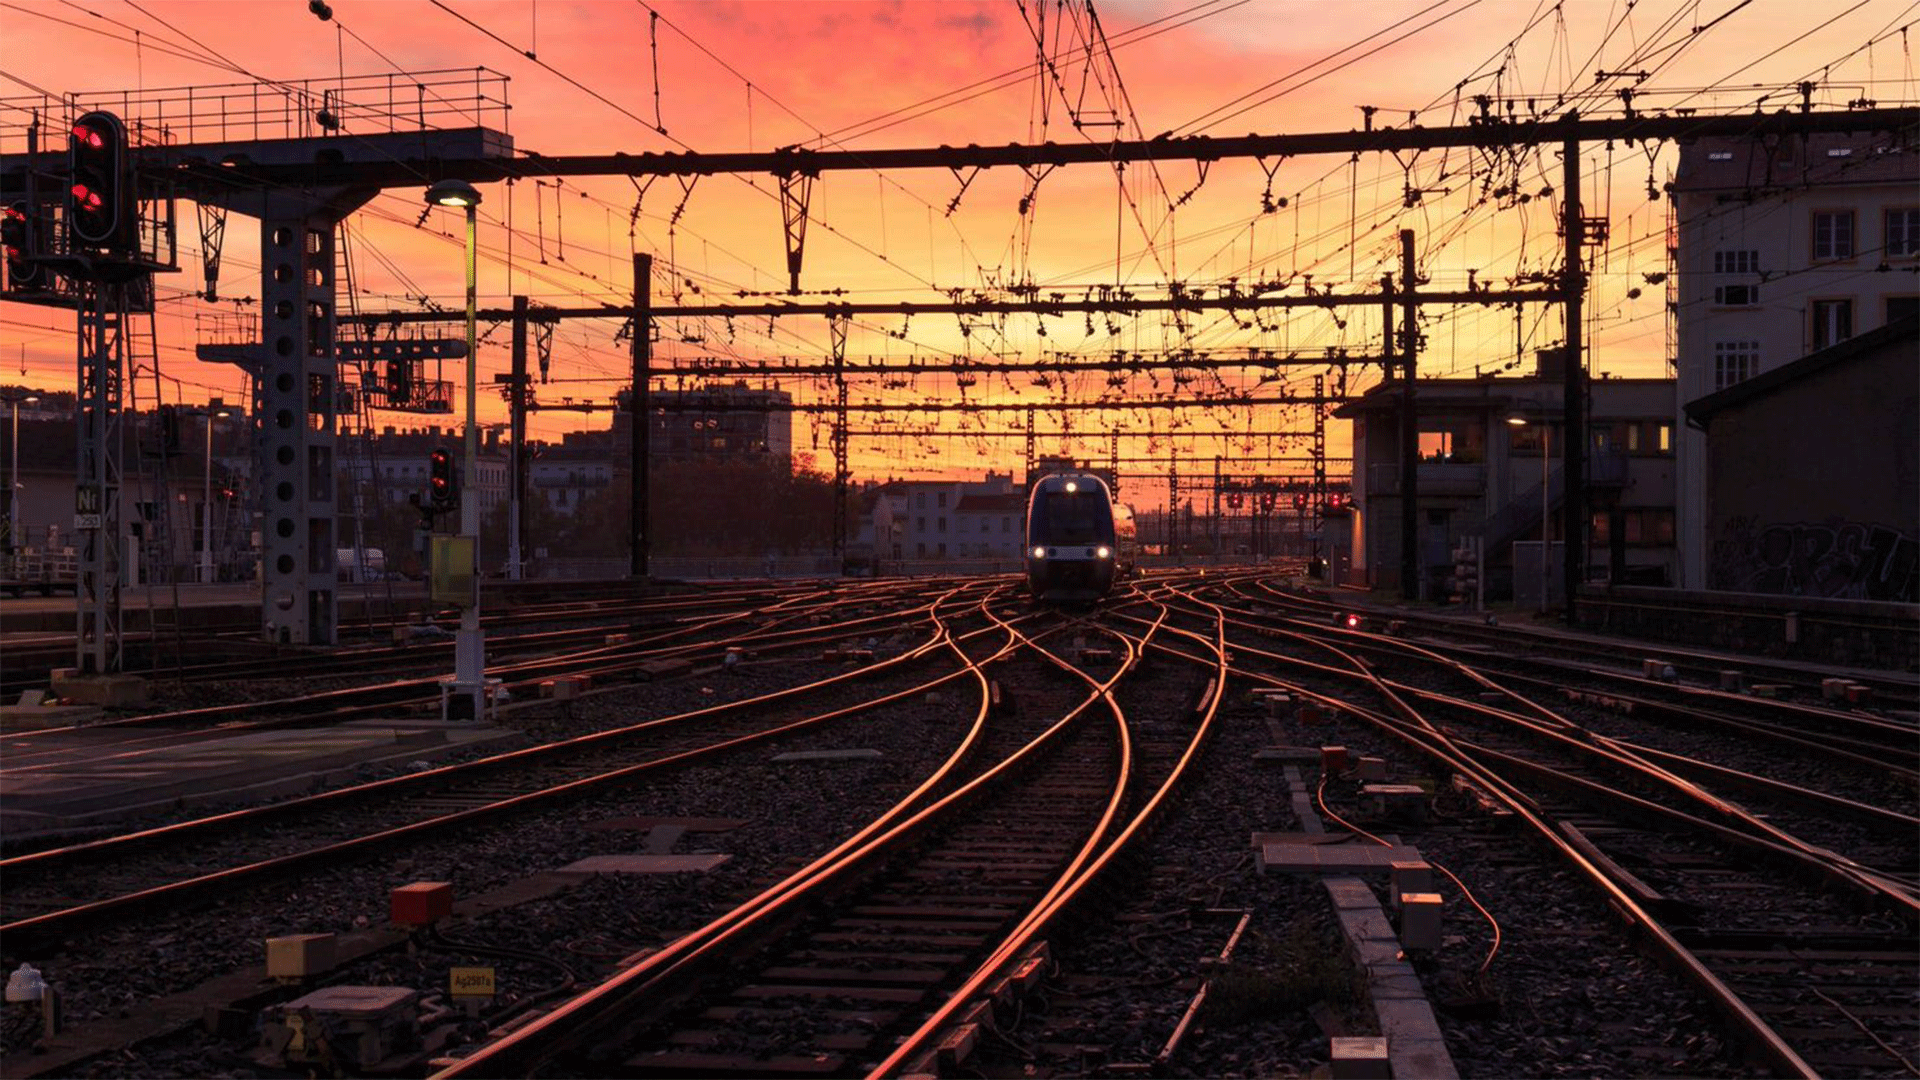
422	903
299	955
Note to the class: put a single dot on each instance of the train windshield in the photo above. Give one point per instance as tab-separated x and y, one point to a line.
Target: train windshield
1070	517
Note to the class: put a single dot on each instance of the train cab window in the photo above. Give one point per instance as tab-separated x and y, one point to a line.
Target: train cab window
1069	517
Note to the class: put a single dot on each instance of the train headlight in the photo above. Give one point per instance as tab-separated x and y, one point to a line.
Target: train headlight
1072	487
1039	553
1103	552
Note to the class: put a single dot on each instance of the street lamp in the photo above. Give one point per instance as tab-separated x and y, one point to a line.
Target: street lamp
206	499
13	492
469	648
1546	435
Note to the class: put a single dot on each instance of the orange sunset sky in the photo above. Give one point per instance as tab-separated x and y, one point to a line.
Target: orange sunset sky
865	75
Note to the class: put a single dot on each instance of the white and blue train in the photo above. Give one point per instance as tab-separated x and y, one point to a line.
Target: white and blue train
1079	540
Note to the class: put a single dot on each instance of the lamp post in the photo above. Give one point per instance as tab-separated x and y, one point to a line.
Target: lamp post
1546	435
13	489
469	647
206	500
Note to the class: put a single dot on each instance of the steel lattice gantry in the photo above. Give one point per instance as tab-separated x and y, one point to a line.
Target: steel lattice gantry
295	366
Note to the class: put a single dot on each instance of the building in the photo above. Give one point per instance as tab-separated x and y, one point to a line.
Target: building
1481	476
396	466
1783	247
945	519
568	474
1813	469
183	512
717	420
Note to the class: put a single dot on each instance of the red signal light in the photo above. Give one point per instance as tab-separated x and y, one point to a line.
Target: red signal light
90	135
1353	622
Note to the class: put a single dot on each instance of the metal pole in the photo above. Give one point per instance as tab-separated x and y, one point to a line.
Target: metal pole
642	430
1573	408
517	435
1546	515
1409	427
13	485
206	506
470	648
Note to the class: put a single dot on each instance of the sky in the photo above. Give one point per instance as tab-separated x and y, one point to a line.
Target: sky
606	76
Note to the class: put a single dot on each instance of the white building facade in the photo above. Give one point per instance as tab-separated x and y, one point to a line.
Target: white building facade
1784	246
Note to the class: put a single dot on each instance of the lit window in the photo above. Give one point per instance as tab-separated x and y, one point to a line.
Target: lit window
1666	438
1734	361
1833	234
1903	232
1840	151
1719	155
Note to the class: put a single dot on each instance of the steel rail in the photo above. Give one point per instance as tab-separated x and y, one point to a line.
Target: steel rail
427	778
40	926
1558	729
1043	916
610	1003
1439	747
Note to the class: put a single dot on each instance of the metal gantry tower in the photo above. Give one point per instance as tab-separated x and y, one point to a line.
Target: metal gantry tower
100	377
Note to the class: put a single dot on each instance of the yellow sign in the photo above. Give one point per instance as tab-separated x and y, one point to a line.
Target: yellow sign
451	580
472	982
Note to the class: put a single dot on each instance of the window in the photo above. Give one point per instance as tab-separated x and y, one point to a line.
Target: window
920	501
1736	295
1666	438
1901	307
1833	234
1649	526
1903	232
919	524
1633	438
1006	524
943	500
962	524
1832	322
1734	361
1736	262
943	527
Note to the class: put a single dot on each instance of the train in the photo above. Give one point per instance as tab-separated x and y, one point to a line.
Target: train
1079	541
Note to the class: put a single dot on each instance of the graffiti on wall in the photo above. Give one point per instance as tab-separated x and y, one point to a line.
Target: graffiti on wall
1847	560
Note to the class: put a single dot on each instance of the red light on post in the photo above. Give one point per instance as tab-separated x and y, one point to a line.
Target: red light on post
90	135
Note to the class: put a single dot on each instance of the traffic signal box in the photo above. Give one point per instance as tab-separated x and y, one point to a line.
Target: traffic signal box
443	480
100	206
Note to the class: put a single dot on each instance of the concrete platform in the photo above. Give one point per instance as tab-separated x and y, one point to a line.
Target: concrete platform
83	778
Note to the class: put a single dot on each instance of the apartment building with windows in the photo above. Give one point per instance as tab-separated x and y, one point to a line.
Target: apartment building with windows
1784	247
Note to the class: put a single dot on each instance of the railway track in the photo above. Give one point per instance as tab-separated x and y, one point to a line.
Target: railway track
1748	908
410	808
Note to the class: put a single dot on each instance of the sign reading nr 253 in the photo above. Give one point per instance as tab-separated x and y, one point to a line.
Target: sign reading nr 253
86	507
